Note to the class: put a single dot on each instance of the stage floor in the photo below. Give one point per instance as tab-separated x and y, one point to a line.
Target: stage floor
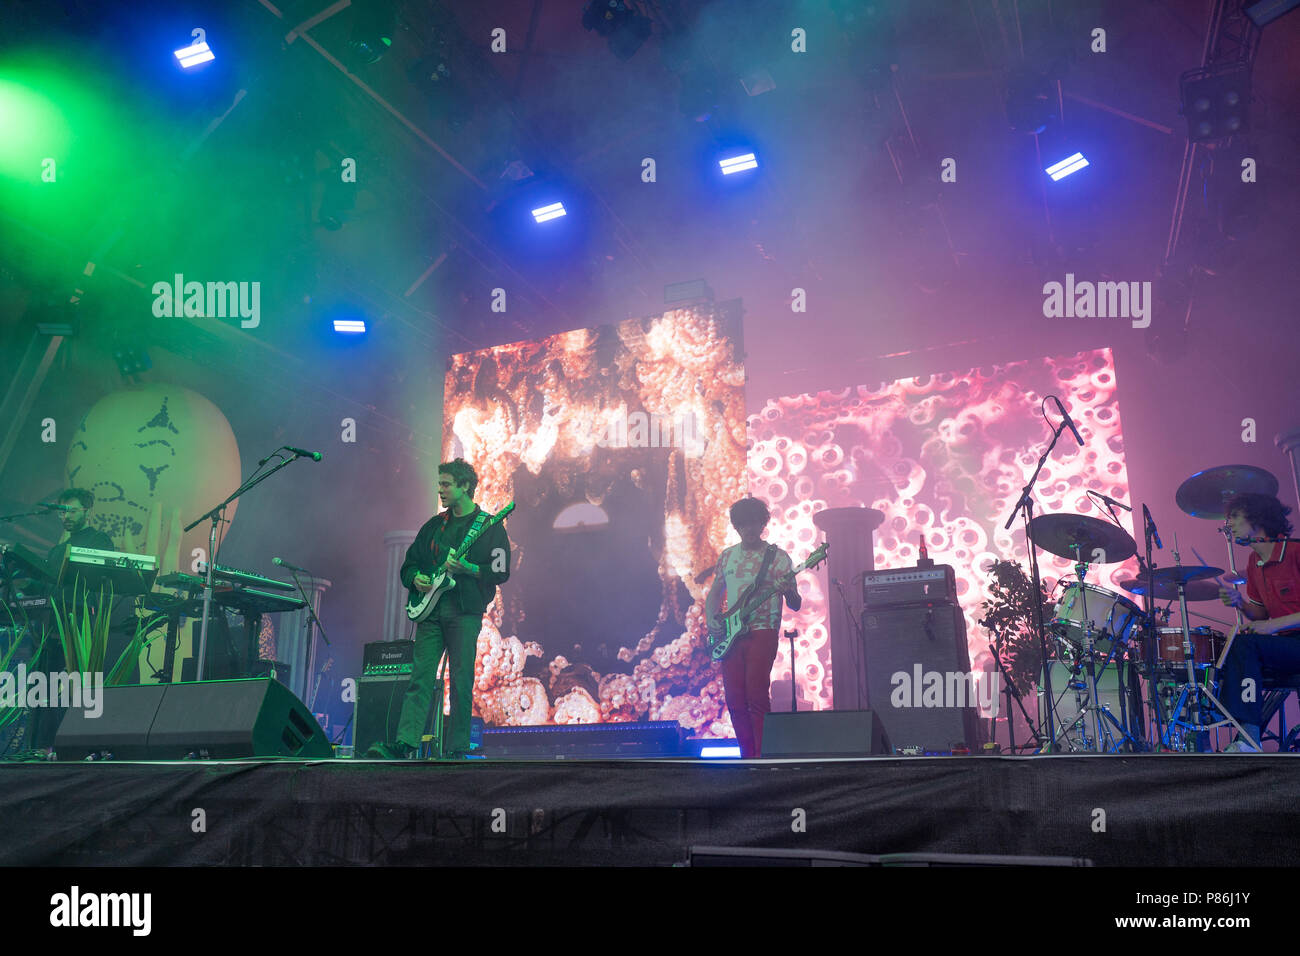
1167	810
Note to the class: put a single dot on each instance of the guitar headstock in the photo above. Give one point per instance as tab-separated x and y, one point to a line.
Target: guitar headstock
817	557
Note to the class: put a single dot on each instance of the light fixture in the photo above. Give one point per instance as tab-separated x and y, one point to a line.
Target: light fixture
1216	104
350	326
1071	164
736	164
195	54
546	213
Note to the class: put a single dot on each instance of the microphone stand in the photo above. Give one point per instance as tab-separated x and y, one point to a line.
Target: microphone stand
1149	651
217	516
312	625
864	685
1026	505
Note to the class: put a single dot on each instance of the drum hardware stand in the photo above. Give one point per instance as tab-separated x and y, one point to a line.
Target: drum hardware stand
1190	693
1150	654
1025	504
1095	707
1013	694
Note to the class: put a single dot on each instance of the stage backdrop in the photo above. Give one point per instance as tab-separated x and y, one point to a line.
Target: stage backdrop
944	456
622	447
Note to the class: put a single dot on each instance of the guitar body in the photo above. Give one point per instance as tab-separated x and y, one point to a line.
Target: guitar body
736	622
421	604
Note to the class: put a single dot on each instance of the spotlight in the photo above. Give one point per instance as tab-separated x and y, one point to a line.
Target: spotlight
195	54
131	360
1266	11
1216	104
372	30
736	164
624	27
1029	102
350	326
1071	164
546	213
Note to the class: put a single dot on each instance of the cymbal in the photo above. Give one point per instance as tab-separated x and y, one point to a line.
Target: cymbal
1205	493
1058	534
1198	590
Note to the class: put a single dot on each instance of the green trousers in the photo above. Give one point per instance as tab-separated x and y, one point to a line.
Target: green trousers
458	634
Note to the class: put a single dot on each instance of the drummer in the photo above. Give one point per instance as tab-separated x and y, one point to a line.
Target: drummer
1271	605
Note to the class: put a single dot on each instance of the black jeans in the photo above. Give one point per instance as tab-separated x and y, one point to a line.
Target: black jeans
1243	671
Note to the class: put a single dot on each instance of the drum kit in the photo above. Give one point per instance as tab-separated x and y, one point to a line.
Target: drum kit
1114	653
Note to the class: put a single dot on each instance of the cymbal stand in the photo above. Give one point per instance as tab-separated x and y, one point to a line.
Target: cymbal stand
1226	530
1104	741
1150	657
1179	732
1026	504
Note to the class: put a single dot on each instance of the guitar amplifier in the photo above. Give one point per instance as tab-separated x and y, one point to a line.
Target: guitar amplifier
903	587
388	658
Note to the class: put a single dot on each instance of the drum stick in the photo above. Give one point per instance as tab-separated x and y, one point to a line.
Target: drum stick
1206	617
1206	564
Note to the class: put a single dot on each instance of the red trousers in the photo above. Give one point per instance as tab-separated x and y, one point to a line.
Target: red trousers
747	681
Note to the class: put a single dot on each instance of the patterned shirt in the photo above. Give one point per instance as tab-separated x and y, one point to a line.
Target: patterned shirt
737	569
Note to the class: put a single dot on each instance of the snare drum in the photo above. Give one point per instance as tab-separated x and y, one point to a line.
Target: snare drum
1114	617
1207	645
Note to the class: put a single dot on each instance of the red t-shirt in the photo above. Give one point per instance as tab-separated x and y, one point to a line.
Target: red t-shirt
1274	583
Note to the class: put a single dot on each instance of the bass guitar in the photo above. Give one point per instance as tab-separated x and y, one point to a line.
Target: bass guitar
735	623
420	605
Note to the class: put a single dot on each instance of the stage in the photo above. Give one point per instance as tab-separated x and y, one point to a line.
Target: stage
1169	810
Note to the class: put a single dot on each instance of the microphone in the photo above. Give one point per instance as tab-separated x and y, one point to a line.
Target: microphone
1068	421
313	455
1146	513
286	564
1109	500
54	507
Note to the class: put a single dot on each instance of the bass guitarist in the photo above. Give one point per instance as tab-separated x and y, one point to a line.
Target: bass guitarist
458	616
744	569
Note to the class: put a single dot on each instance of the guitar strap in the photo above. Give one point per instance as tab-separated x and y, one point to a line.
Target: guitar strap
762	571
479	520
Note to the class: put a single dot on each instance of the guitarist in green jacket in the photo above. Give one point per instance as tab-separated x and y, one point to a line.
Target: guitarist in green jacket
458	616
744	569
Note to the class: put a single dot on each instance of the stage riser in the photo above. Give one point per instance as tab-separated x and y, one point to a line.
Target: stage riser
1163	811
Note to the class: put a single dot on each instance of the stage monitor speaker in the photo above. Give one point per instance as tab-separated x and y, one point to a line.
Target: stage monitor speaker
377	710
215	719
918	677
122	727
824	733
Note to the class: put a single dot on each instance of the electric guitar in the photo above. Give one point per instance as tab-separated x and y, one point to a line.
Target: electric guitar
420	605
736	621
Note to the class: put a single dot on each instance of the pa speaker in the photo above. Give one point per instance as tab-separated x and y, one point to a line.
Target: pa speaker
918	677
824	733
217	719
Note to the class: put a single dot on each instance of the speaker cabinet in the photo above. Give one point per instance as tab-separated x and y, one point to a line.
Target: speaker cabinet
217	719
824	733
918	677
378	709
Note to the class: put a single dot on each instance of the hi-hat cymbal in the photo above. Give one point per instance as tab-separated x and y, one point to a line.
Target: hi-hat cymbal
1098	541
1197	590
1205	494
